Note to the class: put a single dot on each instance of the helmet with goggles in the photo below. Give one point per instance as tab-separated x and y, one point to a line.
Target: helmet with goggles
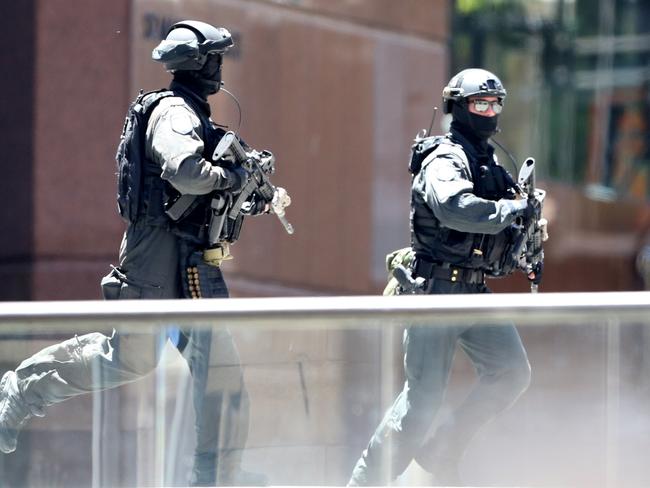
189	43
475	83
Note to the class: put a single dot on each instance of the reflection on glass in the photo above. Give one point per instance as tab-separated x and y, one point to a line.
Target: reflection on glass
319	390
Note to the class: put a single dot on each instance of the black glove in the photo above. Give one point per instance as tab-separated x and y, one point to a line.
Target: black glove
237	178
535	272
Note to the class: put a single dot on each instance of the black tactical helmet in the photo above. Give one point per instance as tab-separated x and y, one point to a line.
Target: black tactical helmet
188	44
470	82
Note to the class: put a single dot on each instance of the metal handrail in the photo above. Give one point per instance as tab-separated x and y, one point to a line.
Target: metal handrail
334	311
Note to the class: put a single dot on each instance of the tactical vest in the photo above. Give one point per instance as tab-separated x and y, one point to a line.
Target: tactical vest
133	169
193	225
438	244
142	193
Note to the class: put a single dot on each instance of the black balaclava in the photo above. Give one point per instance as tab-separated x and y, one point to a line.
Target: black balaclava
203	82
476	127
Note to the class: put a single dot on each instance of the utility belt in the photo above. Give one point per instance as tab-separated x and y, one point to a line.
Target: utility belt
447	272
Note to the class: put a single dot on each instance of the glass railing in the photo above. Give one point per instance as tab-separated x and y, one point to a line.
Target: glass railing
289	391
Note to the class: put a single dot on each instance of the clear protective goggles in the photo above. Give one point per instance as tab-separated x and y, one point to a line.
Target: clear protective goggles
483	105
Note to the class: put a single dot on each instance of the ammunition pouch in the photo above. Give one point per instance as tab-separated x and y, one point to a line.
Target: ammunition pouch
200	279
402	257
214	256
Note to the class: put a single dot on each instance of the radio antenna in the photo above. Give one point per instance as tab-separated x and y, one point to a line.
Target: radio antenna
435	112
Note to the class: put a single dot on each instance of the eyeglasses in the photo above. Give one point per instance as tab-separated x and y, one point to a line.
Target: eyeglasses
484	105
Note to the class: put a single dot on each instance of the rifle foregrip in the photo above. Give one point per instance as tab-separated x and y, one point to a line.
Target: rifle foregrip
266	191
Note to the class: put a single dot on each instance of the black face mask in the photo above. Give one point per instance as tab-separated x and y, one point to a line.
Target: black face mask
210	73
205	81
481	127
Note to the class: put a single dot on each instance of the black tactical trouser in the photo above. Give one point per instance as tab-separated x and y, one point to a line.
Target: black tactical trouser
154	264
503	373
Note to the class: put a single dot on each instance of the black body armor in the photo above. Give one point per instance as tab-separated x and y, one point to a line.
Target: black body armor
142	194
443	246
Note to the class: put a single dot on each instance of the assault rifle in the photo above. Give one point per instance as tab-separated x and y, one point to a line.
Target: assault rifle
228	210
530	250
259	165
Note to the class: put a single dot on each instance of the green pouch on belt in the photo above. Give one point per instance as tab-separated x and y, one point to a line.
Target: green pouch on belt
402	256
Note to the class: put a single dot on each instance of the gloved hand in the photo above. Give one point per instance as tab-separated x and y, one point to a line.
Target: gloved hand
542	228
237	178
532	209
281	200
535	272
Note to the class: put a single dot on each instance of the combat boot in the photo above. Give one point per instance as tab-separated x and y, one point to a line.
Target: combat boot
437	457
14	412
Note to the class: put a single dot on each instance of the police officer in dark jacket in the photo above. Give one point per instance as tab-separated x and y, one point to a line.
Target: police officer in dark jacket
162	257
463	211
